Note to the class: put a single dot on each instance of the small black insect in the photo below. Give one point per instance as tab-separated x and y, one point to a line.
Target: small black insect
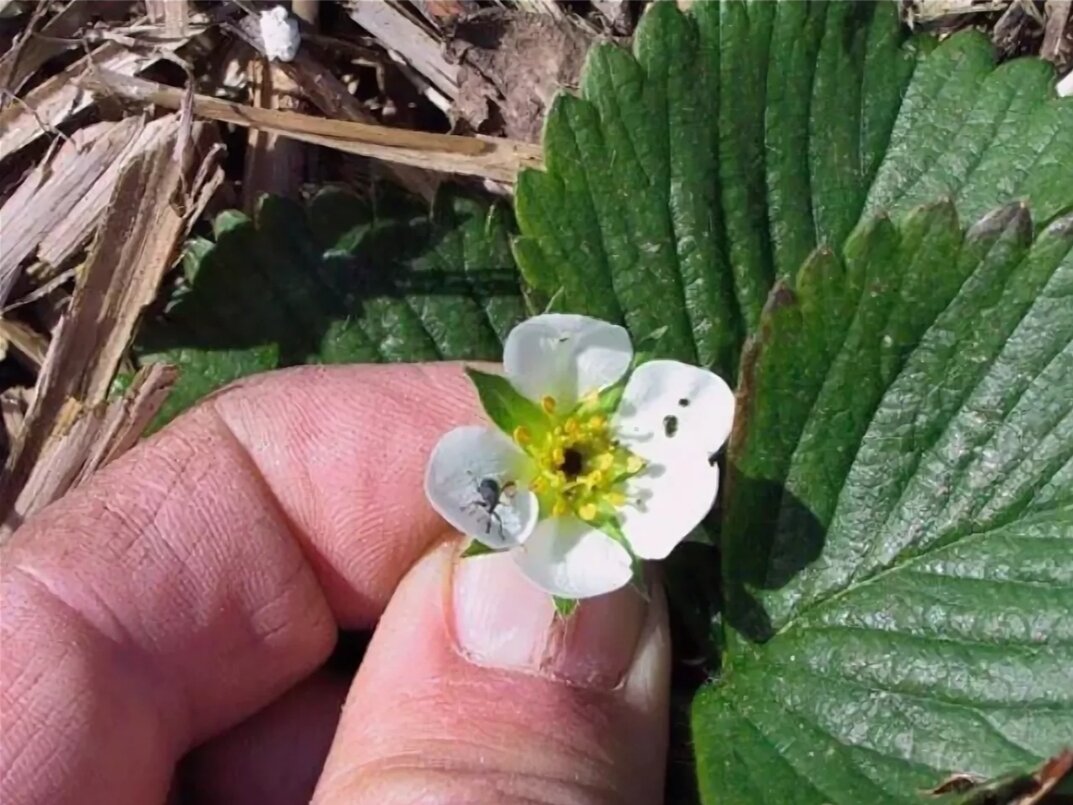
683	402
670	425
491	495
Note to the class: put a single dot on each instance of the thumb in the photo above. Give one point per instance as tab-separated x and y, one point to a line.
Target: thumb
472	690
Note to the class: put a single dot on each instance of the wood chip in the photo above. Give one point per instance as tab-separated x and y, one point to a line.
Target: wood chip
405	37
274	164
29	344
71	234
929	10
26	58
61	97
89	439
1057	45
137	243
48	195
486	157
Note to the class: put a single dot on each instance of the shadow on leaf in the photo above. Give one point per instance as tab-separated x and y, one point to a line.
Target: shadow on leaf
784	537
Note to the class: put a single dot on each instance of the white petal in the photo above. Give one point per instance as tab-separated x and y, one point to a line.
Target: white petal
565	356
666	502
669	409
568	558
459	462
677	416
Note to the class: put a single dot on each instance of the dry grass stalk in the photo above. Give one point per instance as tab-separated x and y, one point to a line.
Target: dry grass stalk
51	191
61	97
13	404
274	164
88	439
29	345
1057	33
31	52
137	243
486	157
549	7
413	44
930	10
321	88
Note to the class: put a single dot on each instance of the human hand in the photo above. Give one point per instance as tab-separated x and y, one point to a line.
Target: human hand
183	602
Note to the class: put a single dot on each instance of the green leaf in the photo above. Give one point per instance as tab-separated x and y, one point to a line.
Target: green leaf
898	519
476	548
505	406
340	280
564	607
694	172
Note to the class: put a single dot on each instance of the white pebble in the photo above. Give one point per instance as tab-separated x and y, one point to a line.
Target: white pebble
280	34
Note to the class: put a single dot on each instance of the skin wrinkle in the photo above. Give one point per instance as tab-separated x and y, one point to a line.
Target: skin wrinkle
130	538
75	711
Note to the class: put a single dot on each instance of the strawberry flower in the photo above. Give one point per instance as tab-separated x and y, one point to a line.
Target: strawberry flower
593	464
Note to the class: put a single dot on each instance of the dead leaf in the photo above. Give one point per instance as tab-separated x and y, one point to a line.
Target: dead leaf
511	66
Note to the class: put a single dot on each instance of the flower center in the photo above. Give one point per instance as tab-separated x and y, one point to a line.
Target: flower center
579	468
573	463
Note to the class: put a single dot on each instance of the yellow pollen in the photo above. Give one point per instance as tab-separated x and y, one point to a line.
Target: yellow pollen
577	465
603	462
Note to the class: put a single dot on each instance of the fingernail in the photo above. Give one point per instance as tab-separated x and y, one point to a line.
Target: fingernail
504	621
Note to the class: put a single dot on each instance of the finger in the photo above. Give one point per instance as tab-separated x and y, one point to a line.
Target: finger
273	757
203	574
472	690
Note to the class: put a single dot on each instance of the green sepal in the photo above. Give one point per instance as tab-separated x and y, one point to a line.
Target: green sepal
564	607
647	348
476	548
505	406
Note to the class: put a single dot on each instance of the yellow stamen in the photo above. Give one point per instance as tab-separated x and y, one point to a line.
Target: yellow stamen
597	423
587	512
559	508
548	404
558	456
521	435
635	464
538	485
616	499
590	399
603	461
